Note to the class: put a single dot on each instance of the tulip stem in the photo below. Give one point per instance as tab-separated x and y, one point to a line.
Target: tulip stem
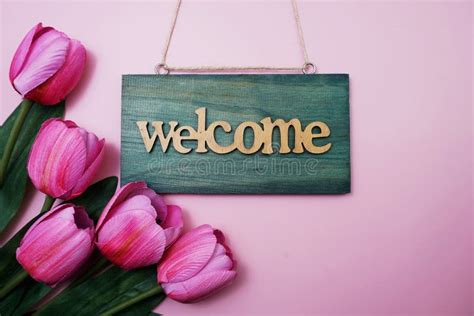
156	290
47	204
25	107
13	282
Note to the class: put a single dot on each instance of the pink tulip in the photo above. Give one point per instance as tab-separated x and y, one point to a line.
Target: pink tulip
136	226
64	159
197	265
57	244
47	65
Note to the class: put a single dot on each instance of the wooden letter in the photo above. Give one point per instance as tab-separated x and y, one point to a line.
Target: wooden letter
158	125
211	141
268	127
201	130
308	137
257	137
177	138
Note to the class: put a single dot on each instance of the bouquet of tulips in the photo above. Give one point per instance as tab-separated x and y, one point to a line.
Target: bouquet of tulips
111	252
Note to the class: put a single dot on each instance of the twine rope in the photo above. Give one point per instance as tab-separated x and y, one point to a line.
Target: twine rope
163	69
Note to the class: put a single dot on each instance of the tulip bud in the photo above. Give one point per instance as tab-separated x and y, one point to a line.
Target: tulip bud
47	65
57	244
64	159
136	226
197	265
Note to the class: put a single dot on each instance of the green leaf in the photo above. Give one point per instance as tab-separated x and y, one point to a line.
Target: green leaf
23	297
107	290
30	292
145	307
13	189
96	197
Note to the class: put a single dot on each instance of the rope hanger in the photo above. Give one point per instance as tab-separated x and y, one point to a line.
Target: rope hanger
163	68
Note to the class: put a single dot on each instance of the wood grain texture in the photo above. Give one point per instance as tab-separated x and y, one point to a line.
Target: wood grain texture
236	99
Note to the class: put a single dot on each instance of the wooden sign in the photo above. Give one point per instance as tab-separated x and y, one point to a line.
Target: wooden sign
237	134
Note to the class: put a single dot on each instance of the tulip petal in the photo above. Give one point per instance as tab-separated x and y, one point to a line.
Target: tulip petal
67	212
50	163
66	164
174	217
46	215
56	142
82	219
188	255
118	198
56	88
137	202
46	56
221	240
58	158
89	174
22	51
131	240
219	262
44	142
173	224
61	228
199	287
156	200
54	248
93	145
72	254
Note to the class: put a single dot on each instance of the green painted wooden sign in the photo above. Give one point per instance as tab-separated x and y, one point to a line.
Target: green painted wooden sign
237	134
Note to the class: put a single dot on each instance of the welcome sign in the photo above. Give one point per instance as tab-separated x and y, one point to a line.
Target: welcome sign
237	134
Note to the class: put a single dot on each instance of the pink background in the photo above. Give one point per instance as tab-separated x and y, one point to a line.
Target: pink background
401	242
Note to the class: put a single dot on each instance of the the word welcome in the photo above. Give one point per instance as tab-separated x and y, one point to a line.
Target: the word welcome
263	134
